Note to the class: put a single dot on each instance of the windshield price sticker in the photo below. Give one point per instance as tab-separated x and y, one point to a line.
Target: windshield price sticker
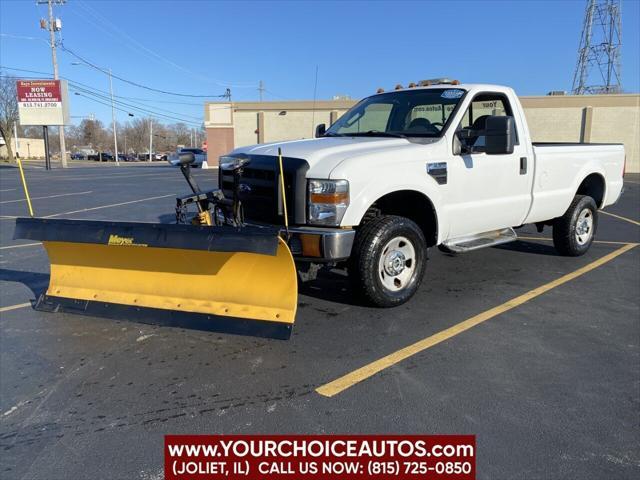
452	93
300	457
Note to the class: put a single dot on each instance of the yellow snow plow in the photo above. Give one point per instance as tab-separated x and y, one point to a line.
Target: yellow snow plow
210	274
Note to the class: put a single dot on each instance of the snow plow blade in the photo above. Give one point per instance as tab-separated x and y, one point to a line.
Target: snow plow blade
222	279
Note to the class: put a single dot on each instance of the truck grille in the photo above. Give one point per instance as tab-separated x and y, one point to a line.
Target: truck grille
261	195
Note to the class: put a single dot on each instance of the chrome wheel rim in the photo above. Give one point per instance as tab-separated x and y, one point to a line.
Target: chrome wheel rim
584	226
397	264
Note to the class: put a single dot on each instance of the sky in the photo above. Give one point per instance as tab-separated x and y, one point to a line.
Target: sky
203	47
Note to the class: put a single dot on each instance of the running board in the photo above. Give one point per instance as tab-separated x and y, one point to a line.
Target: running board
481	240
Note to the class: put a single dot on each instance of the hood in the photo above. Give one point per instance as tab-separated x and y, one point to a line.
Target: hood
326	153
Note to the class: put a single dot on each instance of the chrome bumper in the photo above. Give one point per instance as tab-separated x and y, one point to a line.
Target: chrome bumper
318	244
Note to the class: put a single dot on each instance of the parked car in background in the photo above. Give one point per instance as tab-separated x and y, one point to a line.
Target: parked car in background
199	154
78	156
154	157
101	157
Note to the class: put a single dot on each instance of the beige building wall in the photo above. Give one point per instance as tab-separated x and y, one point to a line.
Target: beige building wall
27	147
585	118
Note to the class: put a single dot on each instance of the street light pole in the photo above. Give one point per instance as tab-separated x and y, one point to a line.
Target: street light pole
113	117
150	137
113	108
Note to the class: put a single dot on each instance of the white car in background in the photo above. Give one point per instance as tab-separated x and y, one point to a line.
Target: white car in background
199	154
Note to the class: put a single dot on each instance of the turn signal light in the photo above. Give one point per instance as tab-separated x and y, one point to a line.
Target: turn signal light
335	197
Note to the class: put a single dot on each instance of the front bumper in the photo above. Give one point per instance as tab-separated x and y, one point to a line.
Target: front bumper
316	244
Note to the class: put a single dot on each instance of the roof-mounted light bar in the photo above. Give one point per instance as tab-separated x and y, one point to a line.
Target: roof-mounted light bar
425	83
438	81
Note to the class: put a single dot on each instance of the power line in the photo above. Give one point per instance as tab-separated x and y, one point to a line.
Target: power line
147	51
102	91
103	94
93	91
83	60
95	96
141	108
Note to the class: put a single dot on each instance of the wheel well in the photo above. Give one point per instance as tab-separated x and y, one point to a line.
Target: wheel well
593	186
410	204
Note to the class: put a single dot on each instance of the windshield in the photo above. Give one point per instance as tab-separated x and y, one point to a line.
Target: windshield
407	113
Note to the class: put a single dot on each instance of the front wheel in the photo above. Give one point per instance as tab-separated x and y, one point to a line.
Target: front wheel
573	232
388	260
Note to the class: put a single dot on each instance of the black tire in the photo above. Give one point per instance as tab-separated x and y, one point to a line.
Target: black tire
366	255
566	237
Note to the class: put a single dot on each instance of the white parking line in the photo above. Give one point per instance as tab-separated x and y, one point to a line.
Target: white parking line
14	307
11	217
8	190
109	206
50	196
620	217
20	246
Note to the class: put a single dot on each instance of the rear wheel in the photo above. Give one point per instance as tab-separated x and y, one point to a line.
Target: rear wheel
388	260
573	233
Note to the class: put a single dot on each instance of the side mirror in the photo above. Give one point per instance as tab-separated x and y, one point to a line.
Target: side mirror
457	145
320	130
500	135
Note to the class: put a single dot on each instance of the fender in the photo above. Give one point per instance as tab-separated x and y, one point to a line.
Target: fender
373	192
590	169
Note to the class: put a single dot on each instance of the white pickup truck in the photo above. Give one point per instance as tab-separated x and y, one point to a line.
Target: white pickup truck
439	164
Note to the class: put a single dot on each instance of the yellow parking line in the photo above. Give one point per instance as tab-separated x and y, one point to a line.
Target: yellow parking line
20	246
604	242
341	384
14	307
621	217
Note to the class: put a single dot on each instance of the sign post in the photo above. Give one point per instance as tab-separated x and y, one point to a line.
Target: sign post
47	157
43	103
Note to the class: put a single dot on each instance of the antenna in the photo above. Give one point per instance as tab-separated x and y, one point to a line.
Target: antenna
313	111
598	68
261	89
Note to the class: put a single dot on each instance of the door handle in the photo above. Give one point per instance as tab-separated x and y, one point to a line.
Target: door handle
523	165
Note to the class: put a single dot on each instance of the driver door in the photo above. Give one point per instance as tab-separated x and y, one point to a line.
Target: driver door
489	192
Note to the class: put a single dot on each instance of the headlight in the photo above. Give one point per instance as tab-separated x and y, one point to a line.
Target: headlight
227	162
328	200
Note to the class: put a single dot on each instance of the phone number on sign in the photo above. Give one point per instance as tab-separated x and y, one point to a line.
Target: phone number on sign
418	468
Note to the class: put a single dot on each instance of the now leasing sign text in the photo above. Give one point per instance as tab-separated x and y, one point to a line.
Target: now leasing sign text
42	102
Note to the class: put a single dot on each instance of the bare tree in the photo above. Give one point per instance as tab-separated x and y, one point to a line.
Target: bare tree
8	110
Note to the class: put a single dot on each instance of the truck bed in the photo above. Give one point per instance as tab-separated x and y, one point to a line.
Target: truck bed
562	166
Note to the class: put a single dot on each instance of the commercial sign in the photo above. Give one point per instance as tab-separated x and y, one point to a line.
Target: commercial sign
42	102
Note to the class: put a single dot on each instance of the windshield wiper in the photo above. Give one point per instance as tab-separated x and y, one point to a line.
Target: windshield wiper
331	134
378	133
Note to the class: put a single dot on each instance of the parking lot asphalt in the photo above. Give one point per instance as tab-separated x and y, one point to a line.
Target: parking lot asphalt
550	386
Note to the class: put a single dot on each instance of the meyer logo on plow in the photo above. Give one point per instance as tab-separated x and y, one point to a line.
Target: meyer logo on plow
128	241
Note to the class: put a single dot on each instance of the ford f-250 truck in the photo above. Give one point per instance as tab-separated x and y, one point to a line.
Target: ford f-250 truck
439	164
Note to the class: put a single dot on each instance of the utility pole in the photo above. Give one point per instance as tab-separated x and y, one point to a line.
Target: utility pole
52	41
261	89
